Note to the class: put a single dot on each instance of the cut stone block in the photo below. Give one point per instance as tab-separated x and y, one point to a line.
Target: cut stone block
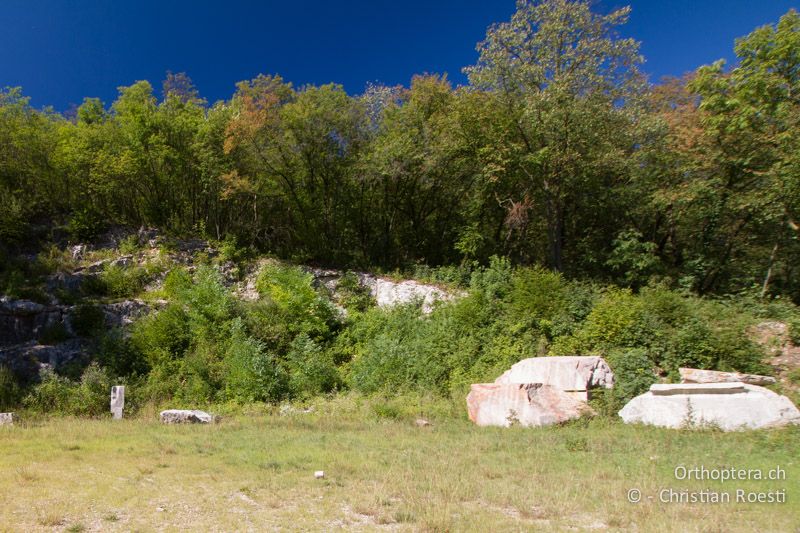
753	408
117	401
185	416
670	389
566	373
696	375
532	404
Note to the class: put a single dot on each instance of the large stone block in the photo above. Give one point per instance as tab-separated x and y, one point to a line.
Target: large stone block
567	373
532	404
696	375
185	416
729	407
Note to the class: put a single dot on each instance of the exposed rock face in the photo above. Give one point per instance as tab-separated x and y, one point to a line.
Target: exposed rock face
23	320
532	404
26	359
728	406
124	313
695	375
387	292
185	416
6	419
567	373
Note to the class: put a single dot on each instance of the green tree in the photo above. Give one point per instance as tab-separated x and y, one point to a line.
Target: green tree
569	85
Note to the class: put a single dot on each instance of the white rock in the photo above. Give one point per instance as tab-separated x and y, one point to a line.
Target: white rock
696	375
669	389
6	419
715	406
185	416
117	401
319	474
532	404
388	293
567	373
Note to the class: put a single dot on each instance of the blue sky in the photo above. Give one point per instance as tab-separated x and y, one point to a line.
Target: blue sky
60	51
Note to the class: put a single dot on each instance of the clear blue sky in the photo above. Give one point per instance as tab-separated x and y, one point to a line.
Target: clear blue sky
60	51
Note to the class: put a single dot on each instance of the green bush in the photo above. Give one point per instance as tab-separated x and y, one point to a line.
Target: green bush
10	390
85	225
59	395
252	374
290	295
633	373
53	334
87	320
352	295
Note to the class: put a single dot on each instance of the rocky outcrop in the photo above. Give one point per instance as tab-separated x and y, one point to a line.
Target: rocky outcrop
539	391
727	406
185	416
387	292
24	320
696	375
124	313
26	359
532	404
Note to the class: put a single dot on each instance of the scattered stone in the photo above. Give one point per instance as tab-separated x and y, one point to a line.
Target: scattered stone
117	401
78	251
531	404
727	406
6	419
123	261
422	423
185	416
319	474
696	375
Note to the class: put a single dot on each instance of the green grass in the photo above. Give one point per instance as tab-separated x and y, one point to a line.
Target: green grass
255	471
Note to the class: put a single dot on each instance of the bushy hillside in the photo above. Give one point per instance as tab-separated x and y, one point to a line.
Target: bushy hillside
187	323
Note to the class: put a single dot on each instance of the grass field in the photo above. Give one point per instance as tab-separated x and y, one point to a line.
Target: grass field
256	472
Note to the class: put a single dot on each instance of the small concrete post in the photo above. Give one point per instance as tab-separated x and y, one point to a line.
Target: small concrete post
117	401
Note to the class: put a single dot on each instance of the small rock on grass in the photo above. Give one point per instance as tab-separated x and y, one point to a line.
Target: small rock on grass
186	416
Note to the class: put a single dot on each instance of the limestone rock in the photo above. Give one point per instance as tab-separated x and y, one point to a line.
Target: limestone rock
532	404
567	373
716	405
6	419
696	375
669	389
117	401
185	416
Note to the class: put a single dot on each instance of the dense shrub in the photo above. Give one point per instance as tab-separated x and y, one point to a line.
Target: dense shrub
10	390
59	395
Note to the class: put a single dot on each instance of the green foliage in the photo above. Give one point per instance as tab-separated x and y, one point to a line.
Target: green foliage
10	390
85	225
117	281
291	297
87	320
352	295
58	395
53	334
